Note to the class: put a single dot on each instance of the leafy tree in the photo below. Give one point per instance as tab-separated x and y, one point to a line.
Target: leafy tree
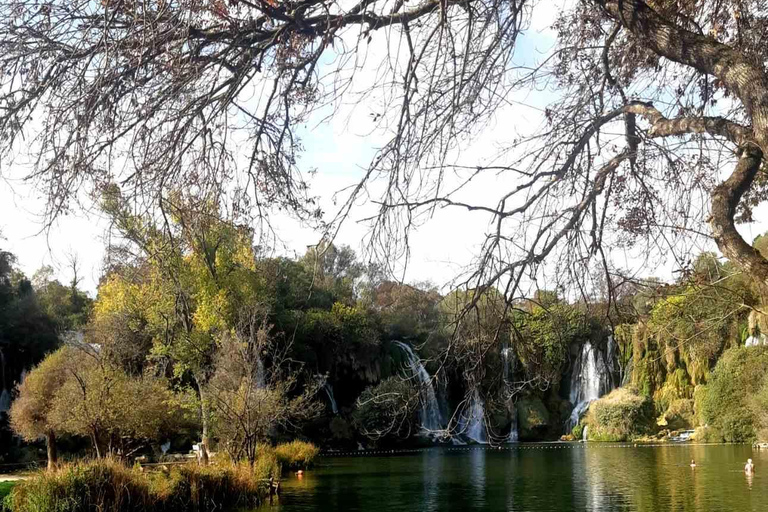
31	412
388	409
543	331
193	275
118	412
407	312
727	402
27	333
253	389
68	306
74	392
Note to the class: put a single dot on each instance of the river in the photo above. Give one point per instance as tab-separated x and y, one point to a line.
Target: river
536	477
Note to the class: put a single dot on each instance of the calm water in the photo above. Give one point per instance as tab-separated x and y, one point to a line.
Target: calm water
537	478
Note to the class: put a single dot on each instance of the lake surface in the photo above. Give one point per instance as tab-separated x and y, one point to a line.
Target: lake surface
542	477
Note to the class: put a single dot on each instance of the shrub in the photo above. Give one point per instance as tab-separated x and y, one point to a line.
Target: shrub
679	415
532	418
725	401
109	486
708	434
387	409
296	454
577	432
620	415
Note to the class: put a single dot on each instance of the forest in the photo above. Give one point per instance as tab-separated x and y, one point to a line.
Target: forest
196	337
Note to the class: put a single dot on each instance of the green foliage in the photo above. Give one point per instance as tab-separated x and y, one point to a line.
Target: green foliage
73	392
387	409
109	486
407	312
578	431
758	404
5	490
296	454
532	418
686	330
67	306
725	401
544	333
27	332
680	415
619	416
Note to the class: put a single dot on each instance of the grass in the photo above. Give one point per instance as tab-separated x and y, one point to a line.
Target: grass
5	489
296	454
109	486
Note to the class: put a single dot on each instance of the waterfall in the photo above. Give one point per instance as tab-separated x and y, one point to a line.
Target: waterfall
513	436
5	401
507	361
472	422
329	391
584	435
755	341
431	419
261	379
591	378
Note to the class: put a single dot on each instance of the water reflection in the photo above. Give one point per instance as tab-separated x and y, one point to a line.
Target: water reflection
543	478
477	476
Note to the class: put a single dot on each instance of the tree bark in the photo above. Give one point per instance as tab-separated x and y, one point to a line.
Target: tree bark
746	80
53	456
204	422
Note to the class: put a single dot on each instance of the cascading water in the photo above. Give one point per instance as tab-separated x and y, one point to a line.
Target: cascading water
261	379
507	361
329	391
507	364
591	379
472	423
431	419
513	432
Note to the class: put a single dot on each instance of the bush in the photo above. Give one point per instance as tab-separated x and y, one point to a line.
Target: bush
725	402
5	489
387	409
532	418
577	432
296	454
109	486
708	435
621	415
679	415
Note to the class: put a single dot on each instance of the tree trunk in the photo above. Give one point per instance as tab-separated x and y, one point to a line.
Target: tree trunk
95	440
204	422
746	79
53	456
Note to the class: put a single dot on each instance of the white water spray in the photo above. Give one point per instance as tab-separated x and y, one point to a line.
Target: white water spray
507	365
431	419
591	379
329	391
472	423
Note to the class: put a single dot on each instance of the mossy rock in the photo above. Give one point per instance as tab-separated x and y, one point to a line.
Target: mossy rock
532	419
679	416
619	416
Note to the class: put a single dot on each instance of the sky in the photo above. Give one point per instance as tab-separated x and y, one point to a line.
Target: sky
339	149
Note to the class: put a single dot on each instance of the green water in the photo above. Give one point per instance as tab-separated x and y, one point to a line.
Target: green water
538	478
